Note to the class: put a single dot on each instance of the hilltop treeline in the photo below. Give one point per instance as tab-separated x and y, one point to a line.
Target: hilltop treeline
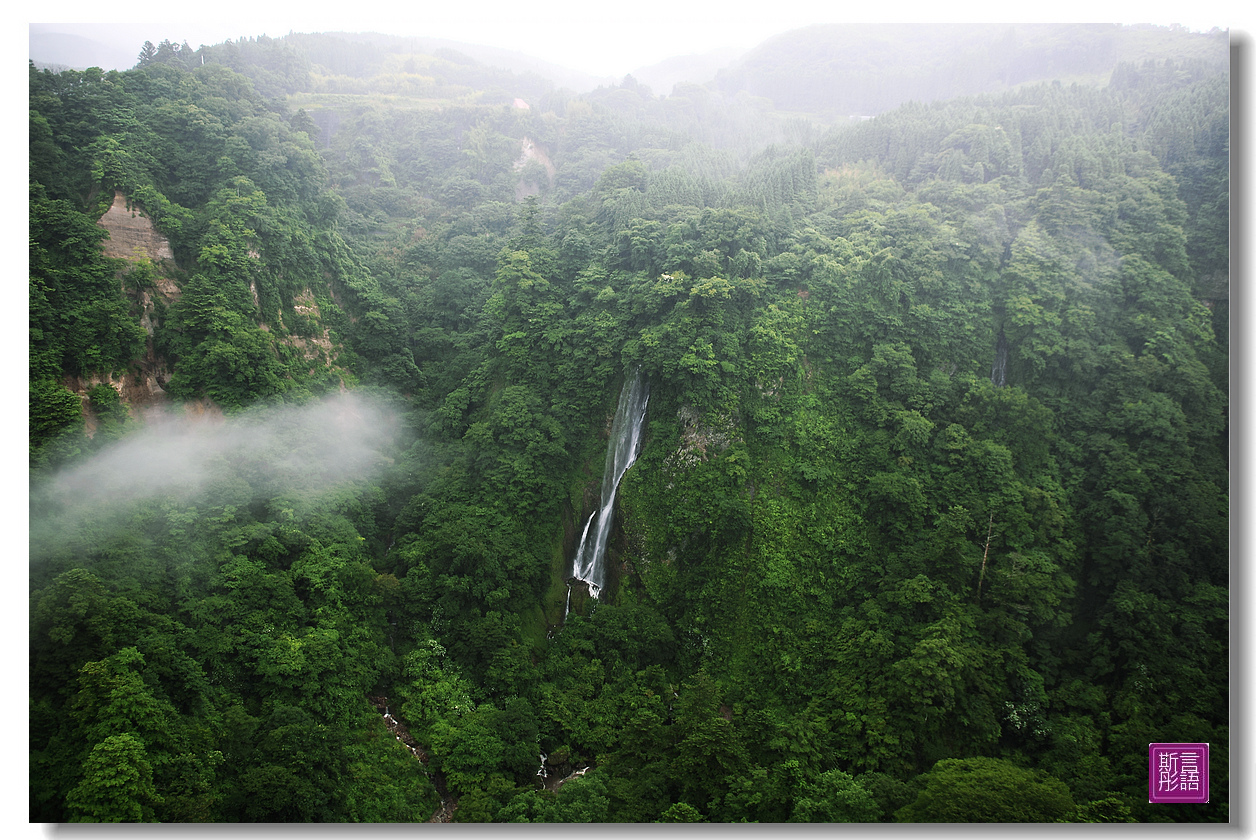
930	522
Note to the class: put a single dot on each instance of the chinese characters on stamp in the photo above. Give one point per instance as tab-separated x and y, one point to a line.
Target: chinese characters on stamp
1177	773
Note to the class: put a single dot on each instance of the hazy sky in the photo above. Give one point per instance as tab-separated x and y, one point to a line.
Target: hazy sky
605	39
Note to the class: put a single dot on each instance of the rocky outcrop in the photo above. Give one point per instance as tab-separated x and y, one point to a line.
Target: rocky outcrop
140	389
131	234
133	238
529	183
314	349
701	436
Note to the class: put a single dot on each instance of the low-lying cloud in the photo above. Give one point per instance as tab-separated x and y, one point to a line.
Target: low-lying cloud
262	453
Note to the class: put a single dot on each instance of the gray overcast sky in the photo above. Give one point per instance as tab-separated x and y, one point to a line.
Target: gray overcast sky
602	38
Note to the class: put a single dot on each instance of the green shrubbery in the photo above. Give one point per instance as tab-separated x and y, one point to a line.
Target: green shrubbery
852	578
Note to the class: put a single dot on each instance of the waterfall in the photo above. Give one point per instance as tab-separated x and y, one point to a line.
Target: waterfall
584	537
622	451
998	373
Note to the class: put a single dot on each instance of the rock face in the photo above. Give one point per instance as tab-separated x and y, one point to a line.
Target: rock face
530	152
700	433
133	238
315	349
131	234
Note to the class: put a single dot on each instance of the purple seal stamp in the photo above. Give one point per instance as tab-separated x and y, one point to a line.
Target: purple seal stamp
1177	773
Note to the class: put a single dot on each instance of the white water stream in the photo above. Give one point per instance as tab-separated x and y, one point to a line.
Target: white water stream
624	446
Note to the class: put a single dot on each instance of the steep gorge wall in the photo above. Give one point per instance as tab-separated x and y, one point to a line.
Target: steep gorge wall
133	238
131	234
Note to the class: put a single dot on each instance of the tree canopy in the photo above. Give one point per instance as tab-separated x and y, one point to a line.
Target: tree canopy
930	519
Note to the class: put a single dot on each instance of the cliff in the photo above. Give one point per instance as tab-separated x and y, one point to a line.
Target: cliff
133	238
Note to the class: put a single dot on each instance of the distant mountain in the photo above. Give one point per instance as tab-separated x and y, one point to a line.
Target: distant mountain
831	71
696	69
518	62
59	50
334	51
842	70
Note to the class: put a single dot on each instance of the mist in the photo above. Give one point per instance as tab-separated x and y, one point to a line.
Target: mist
301	452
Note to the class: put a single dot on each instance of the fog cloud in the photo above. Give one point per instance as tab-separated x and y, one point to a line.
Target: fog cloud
262	453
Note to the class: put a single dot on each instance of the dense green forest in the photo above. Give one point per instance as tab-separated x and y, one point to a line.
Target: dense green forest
930	521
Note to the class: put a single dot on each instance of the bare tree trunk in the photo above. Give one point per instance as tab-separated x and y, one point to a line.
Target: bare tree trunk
985	555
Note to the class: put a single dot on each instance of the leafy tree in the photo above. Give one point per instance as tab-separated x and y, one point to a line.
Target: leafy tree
117	784
934	466
988	790
835	796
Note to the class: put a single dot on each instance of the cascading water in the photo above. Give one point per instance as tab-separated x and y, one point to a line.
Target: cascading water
620	454
584	538
998	371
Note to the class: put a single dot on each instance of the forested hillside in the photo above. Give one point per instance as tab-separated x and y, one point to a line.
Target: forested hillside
929	520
